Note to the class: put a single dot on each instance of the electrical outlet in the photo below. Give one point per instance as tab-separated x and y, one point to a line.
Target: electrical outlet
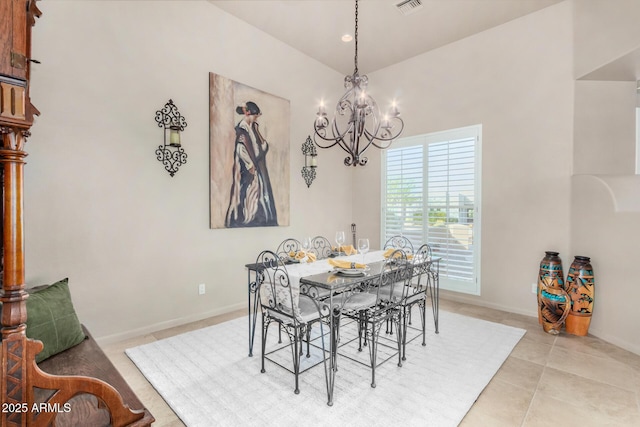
201	289
534	288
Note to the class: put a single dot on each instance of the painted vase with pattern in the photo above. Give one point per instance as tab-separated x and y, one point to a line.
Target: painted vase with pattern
554	304
581	289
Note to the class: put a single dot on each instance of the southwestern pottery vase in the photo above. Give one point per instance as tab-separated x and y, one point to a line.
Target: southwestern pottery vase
554	304
581	287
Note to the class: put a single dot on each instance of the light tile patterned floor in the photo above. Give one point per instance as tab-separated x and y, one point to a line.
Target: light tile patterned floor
547	380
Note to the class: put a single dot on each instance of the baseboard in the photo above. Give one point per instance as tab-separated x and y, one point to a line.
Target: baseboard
474	301
634	348
531	313
132	333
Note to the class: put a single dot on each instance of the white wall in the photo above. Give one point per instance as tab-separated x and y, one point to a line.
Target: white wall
101	210
606	227
604	30
605	214
516	80
605	127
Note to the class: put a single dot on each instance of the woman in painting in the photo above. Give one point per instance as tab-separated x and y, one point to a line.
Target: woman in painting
251	203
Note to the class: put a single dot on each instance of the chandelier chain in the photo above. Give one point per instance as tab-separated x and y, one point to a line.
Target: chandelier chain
356	39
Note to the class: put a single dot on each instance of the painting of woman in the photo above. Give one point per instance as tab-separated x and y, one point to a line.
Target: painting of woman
251	202
249	163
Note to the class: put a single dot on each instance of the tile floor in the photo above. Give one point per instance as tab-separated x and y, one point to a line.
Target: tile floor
547	380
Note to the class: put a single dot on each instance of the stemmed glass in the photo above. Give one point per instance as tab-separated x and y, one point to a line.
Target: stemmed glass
306	244
363	247
339	240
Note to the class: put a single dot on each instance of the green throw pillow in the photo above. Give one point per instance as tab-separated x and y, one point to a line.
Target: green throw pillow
52	319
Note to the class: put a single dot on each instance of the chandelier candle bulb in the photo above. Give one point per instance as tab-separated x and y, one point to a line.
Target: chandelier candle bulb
362	100
385	122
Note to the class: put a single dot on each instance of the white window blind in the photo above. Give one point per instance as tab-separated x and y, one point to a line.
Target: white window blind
450	166
405	194
431	194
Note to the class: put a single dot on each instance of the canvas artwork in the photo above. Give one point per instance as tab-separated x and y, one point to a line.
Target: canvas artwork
249	156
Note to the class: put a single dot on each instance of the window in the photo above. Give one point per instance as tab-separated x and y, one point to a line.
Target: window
431	193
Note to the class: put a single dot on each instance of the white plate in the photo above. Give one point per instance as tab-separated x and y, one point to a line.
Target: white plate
351	271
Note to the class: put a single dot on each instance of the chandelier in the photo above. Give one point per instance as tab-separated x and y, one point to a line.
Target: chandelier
357	122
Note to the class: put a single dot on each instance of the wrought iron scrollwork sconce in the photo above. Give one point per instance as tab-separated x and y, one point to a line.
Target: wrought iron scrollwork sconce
310	161
171	153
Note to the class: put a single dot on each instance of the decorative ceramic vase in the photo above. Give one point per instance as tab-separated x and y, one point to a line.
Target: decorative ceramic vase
554	304
550	274
580	287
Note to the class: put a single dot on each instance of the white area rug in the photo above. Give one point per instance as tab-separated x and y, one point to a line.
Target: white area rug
208	379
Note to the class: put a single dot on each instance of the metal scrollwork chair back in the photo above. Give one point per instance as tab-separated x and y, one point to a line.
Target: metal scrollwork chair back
321	247
288	246
399	242
283	304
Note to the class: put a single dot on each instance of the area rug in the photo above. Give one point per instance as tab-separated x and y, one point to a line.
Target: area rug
207	378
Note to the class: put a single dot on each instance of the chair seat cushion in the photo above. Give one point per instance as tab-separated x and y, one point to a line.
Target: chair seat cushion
357	301
308	311
410	295
311	310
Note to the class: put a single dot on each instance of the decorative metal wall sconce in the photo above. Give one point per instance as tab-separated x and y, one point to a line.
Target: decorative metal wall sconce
171	153
310	161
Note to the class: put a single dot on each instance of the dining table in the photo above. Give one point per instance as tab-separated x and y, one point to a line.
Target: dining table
321	279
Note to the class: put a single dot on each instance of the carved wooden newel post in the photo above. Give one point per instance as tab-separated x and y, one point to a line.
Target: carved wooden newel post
16	117
14	313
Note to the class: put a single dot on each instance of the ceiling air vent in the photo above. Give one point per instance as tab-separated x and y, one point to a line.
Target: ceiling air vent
407	7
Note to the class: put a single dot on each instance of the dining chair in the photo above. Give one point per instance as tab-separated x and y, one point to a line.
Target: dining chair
418	288
403	243
283	304
287	246
321	247
378	305
399	242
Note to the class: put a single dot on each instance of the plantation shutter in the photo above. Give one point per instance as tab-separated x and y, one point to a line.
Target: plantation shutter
431	194
451	203
403	205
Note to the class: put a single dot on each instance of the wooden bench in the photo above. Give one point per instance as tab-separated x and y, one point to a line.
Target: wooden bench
87	359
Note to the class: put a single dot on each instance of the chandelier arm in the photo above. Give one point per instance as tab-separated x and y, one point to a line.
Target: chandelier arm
382	146
369	139
336	140
391	136
348	148
339	142
333	141
337	135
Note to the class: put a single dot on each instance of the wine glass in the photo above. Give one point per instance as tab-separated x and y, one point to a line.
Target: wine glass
306	244
339	240
363	247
